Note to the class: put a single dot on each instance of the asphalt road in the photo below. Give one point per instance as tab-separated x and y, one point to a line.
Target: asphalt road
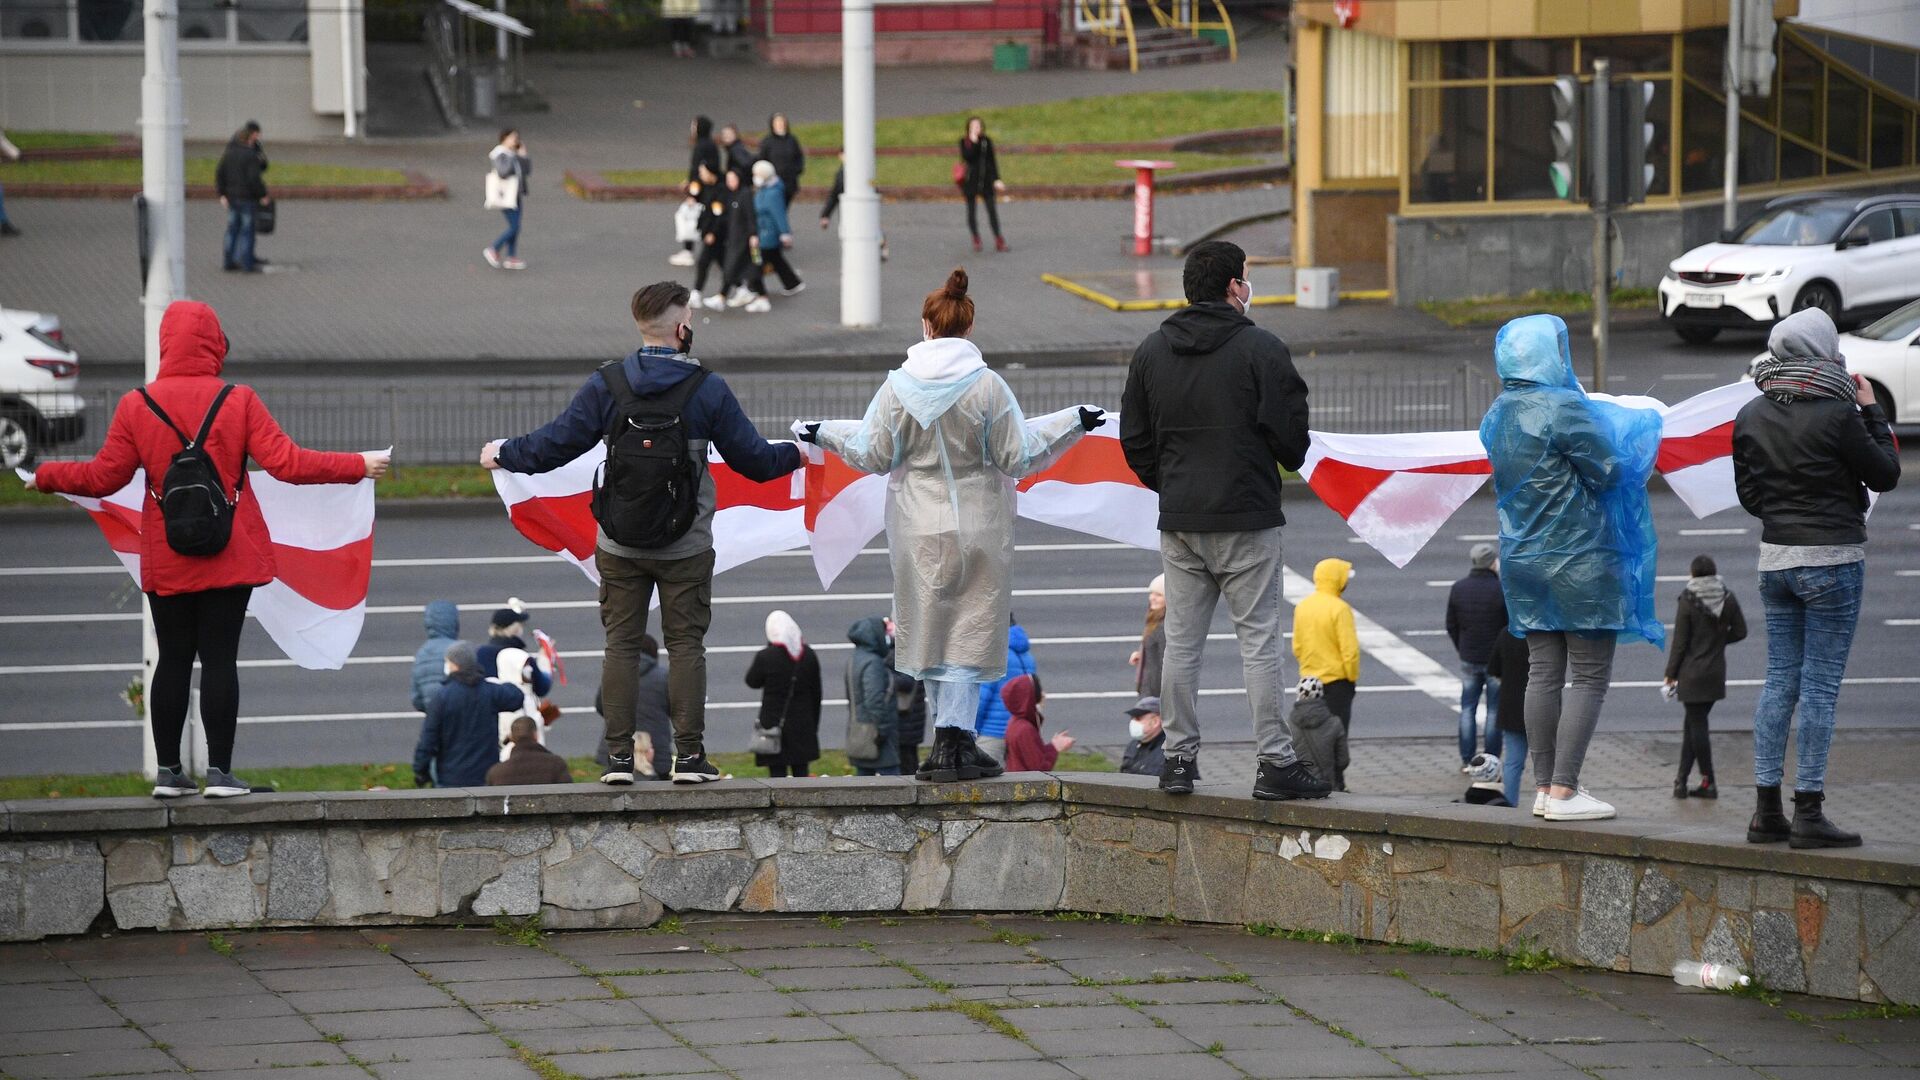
1080	599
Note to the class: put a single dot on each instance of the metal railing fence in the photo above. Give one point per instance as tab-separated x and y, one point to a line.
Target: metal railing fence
443	422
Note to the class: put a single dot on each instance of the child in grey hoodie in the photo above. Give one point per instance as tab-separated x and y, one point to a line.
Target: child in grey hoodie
1319	735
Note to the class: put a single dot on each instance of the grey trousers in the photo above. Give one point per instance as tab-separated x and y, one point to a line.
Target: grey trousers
1557	733
1201	567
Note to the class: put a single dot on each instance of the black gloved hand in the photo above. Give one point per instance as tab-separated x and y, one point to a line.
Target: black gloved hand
810	432
1091	418
422	780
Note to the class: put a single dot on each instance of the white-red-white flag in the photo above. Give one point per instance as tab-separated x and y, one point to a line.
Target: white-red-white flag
322	538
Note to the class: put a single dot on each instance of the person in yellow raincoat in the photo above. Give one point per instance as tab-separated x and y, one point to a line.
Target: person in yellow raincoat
1324	640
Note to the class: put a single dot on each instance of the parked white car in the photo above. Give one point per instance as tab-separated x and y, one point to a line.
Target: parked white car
1854	258
40	402
1887	352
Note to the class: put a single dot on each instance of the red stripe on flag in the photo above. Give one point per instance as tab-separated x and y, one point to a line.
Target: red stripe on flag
335	579
558	522
121	526
1343	486
732	489
1685	451
1089	461
824	482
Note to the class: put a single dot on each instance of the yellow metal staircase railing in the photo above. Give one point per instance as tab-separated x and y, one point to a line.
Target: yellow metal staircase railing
1112	20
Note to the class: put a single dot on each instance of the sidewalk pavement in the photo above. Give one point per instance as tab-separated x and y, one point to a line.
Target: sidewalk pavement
1871	784
988	998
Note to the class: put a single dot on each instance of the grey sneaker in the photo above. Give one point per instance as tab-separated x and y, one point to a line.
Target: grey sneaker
222	784
174	784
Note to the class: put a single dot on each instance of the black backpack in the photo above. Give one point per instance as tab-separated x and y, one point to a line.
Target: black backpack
193	501
647	492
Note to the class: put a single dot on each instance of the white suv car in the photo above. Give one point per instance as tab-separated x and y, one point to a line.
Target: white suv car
40	402
1853	258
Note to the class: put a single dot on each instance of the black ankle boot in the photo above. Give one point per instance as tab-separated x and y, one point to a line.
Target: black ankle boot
1811	829
971	762
1680	788
1706	790
1769	824
939	765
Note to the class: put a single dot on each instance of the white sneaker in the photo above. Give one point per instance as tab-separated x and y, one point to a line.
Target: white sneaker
693	298
716	302
802	287
759	306
493	258
1540	801
740	297
683	257
1582	807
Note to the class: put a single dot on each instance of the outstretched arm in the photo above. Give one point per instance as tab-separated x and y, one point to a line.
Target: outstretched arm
870	444
1020	447
107	471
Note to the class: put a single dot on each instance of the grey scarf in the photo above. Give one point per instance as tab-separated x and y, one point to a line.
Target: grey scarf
1804	360
1710	591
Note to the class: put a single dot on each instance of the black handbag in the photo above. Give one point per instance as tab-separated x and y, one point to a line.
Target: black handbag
263	218
766	741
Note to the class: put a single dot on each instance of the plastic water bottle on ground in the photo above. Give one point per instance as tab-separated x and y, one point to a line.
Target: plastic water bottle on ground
1711	976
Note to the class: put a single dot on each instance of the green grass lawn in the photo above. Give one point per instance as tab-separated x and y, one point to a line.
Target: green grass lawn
400	775
1015	169
405	482
1488	310
1112	118
199	171
60	140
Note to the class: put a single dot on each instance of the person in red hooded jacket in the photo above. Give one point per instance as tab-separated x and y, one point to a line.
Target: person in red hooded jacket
199	603
1026	752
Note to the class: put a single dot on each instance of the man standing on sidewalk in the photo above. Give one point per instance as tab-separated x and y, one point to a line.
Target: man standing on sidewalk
1476	617
1213	411
241	181
661	378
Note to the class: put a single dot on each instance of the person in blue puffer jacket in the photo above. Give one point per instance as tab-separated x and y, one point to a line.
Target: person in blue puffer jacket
429	662
991	721
774	237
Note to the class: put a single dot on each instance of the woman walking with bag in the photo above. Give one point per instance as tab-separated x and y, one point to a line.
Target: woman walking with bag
978	174
786	738
952	439
1805	454
1708	621
510	168
199	601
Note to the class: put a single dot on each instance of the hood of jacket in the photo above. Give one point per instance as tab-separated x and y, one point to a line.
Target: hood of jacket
647	664
659	373
869	635
191	341
442	619
702	127
1018	696
1017	639
1533	349
1330	576
1807	335
1203	328
936	374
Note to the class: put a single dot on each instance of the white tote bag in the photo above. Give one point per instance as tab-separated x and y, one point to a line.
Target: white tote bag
686	223
503	192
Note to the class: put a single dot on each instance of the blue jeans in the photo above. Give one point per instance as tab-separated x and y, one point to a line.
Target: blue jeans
1514	764
238	247
1811	613
509	242
1474	679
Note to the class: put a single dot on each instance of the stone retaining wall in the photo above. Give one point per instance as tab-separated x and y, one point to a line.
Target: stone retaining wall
1604	894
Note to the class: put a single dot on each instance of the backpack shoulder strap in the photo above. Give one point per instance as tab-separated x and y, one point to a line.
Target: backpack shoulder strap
164	418
614	374
684	391
213	410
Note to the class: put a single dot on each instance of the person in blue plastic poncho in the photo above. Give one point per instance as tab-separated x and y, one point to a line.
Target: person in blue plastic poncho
1576	545
953	440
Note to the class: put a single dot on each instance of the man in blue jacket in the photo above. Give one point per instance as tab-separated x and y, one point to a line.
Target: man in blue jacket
442	620
461	739
683	569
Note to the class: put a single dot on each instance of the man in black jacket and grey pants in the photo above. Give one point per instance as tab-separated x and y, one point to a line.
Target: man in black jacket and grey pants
1476	617
1213	411
241	181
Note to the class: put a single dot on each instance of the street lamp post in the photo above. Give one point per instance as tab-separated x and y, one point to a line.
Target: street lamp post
860	206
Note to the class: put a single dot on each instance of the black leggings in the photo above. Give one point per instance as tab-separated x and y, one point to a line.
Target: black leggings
993	211
777	769
711	257
204	624
1694	743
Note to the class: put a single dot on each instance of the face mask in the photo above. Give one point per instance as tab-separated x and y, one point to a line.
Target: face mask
1246	308
1136	729
686	339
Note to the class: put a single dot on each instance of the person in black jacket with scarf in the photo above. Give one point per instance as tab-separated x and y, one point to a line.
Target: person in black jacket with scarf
1805	454
787	674
1476	616
782	149
980	179
1708	621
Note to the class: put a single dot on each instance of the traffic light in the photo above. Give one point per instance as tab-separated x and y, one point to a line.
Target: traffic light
1633	149
1565	170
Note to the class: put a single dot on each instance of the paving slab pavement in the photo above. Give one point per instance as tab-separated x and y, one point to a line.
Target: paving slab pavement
1147	1000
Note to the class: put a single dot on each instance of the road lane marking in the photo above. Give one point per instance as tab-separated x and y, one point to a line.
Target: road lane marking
1477	537
1413	666
520	560
1713	532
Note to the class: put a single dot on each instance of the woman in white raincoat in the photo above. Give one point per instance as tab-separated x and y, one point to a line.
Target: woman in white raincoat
953	439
